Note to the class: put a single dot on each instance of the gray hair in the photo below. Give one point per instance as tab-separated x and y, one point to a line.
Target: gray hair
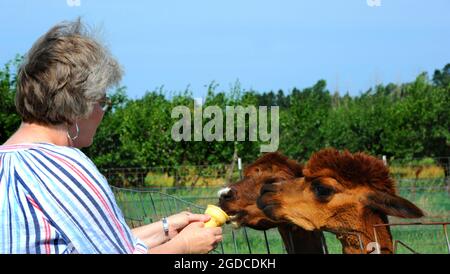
63	75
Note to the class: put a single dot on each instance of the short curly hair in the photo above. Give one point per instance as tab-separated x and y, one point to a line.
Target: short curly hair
63	75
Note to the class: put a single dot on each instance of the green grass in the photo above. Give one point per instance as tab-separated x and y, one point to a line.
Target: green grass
426	240
149	206
142	207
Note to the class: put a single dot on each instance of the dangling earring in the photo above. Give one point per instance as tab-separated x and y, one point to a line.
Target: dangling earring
76	136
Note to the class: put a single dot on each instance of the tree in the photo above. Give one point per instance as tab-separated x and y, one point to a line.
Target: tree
441	78
301	124
9	119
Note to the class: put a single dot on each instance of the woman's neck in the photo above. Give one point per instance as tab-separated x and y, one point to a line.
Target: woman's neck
36	133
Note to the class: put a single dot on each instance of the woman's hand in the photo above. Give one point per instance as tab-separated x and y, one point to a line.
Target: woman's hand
153	234
196	239
179	221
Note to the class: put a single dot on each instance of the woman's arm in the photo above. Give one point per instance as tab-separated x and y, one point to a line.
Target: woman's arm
193	239
170	247
152	234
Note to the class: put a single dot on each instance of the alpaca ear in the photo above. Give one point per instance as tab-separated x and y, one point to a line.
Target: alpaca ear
295	167
393	205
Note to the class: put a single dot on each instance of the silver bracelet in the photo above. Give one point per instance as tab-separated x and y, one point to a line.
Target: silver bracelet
165	224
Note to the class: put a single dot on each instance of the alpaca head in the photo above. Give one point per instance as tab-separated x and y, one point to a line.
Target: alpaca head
340	192
239	199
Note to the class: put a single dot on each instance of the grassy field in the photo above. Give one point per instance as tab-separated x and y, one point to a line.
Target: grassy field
148	206
419	181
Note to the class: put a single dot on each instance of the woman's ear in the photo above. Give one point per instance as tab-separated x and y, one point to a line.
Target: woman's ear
392	205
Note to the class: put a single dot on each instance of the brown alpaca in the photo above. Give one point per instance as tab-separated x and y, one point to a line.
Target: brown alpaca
343	193
239	201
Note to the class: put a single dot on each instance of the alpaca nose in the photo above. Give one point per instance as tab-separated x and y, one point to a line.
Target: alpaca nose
227	194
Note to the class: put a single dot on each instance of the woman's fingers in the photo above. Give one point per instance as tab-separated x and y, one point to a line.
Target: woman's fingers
197	239
191	217
198	217
216	231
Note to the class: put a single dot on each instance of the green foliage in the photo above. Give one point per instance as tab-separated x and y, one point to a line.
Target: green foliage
418	123
441	78
9	120
358	124
410	120
302	124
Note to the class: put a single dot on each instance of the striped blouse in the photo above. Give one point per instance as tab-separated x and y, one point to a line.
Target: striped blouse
53	199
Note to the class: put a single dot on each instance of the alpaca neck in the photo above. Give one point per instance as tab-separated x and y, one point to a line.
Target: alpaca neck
299	241
363	239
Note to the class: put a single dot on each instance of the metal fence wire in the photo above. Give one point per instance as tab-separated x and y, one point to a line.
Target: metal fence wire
145	195
171	176
411	174
142	207
441	244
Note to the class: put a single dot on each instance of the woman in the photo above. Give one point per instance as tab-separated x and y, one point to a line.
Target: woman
53	198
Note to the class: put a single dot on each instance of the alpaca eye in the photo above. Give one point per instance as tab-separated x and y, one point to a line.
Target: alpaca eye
321	191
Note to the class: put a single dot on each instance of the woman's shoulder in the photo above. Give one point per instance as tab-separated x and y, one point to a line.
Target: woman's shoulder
44	159
46	151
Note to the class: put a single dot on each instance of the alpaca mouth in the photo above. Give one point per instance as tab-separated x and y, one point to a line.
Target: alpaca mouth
303	222
236	219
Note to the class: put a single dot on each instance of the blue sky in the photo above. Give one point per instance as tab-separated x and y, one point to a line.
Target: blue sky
267	45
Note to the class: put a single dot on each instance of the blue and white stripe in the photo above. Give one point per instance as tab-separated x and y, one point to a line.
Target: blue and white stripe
54	200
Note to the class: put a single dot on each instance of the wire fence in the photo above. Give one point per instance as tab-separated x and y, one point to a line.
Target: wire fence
142	207
415	174
171	176
145	195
